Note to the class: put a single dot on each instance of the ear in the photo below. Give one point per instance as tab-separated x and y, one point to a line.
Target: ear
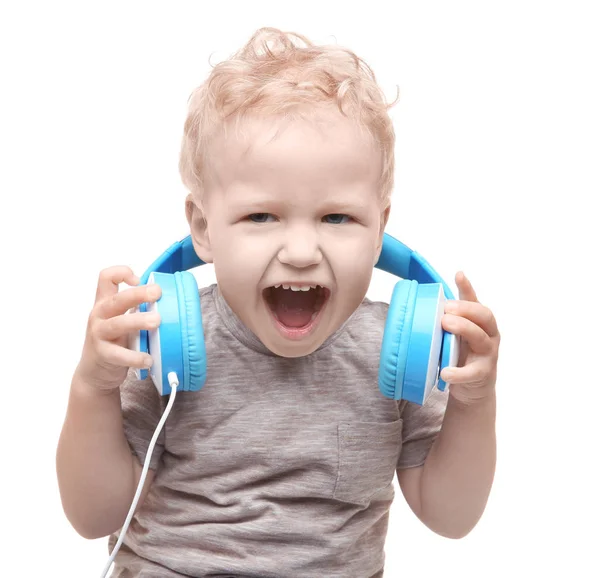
385	215
198	229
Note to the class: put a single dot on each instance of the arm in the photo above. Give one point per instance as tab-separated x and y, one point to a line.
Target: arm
97	473
450	491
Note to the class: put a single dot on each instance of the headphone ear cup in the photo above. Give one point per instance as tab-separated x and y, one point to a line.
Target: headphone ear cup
414	345
396	339
449	355
192	334
177	344
425	347
164	342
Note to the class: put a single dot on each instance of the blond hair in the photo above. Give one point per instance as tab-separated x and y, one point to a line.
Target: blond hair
283	74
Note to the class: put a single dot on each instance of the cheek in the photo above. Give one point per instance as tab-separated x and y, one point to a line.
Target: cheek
354	253
353	268
353	276
239	259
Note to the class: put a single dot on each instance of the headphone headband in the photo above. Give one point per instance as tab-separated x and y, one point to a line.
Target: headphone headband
180	256
396	258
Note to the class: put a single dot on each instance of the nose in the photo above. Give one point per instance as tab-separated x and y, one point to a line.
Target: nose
301	248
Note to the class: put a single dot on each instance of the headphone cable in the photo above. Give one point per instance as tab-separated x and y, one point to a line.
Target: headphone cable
173	382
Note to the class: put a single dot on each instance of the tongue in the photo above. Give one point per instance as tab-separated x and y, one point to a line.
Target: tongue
294	308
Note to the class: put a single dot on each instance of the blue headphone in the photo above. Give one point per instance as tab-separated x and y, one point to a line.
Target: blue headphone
414	349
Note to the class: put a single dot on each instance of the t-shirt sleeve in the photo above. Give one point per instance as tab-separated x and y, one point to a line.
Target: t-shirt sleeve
421	426
142	407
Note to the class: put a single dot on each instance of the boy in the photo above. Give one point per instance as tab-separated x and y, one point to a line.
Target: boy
282	465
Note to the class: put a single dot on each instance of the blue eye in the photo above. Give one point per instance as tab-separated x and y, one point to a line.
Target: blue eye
259	217
336	219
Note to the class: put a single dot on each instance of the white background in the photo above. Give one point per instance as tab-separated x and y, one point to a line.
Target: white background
498	150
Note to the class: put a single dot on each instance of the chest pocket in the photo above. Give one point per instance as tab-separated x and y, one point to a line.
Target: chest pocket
368	454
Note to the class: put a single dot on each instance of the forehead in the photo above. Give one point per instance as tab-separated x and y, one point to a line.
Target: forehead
328	149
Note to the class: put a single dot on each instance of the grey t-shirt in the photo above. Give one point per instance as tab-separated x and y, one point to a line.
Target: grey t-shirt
277	468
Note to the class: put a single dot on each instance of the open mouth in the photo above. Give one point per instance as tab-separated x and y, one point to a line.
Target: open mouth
296	306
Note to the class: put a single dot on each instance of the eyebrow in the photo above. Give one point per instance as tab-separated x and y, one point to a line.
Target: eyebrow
250	198
346	206
253	203
270	203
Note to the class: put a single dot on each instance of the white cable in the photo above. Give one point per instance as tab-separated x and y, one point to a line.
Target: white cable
173	382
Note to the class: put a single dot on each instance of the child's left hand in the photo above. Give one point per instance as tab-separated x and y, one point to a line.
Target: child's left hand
475	377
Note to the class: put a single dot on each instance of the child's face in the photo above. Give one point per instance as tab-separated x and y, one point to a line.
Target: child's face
300	209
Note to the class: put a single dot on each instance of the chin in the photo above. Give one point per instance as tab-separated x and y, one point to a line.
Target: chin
292	350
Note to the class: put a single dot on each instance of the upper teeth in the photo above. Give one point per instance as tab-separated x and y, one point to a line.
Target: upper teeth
297	287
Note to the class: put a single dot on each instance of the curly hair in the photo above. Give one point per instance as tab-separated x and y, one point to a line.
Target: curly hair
283	74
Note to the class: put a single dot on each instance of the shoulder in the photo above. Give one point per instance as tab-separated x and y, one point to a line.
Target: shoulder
363	331
208	303
207	293
370	316
374	310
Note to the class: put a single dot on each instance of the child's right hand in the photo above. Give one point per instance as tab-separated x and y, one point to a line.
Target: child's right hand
105	358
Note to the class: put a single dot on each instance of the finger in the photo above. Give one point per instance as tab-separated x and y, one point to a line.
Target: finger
476	372
110	278
476	338
465	289
116	327
123	357
475	312
119	303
